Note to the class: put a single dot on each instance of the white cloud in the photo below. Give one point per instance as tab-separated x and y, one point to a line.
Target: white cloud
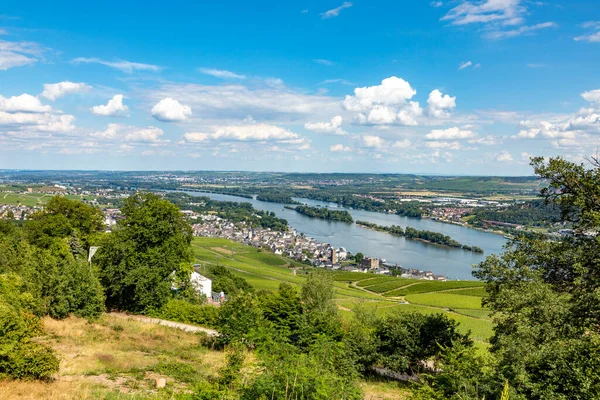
234	102
341	81
170	110
276	83
507	12
149	134
444	145
504	157
323	62
385	104
17	54
373	141
593	96
436	4
53	91
440	105
339	148
489	140
594	36
24	103
336	11
244	133
114	108
401	144
334	127
121	65
221	73
450	134
499	17
521	30
131	134
465	65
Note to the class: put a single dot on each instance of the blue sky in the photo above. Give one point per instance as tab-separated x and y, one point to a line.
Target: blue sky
451	87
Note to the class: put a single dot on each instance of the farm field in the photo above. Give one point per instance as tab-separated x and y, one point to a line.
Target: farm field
459	300
33	199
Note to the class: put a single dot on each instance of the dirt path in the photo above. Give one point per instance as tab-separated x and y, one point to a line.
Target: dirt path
171	324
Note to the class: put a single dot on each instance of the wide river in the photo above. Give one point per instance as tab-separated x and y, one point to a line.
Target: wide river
452	263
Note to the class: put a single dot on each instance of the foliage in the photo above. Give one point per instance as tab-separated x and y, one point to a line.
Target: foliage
321	373
240	317
19	356
545	294
183	311
136	261
405	340
225	281
325	213
531	213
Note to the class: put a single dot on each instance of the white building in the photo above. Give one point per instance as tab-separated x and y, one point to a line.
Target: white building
202	284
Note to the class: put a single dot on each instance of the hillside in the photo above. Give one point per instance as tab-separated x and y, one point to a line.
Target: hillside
117	358
460	300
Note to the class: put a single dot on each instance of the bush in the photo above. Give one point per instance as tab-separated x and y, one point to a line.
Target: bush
31	360
182	311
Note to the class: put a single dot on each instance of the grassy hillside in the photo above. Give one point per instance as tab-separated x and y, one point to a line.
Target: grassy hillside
460	300
119	359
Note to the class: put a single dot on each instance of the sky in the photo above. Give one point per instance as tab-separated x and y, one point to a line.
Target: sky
465	87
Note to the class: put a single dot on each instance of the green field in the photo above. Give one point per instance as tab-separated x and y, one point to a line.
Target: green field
459	300
33	199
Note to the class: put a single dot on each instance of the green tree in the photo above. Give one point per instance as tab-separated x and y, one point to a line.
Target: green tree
138	259
320	315
545	294
359	257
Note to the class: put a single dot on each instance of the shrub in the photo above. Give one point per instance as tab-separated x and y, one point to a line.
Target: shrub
182	311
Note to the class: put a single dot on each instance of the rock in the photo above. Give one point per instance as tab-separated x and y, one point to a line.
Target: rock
161	383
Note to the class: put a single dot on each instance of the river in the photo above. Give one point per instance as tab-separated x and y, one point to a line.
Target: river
452	263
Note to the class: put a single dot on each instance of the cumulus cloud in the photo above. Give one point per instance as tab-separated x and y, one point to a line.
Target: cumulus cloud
336	11
440	105
593	96
333	127
170	110
18	54
385	104
53	91
339	148
504	157
24	103
454	133
373	141
122	65
244	133
114	108
221	73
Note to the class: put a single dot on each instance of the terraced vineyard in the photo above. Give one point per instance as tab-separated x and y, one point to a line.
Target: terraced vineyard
460	300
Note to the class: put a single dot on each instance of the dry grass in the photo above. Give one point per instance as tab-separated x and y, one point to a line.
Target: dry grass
384	390
120	358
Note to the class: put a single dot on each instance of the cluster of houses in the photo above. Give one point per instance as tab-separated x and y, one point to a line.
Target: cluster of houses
17	211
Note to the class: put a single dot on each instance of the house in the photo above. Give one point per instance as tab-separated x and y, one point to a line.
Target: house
370	262
202	284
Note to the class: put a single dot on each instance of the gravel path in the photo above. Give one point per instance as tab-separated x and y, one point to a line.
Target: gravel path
176	325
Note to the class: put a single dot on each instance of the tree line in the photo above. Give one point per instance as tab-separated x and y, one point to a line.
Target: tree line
324	213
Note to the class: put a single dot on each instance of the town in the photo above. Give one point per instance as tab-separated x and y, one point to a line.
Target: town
301	248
